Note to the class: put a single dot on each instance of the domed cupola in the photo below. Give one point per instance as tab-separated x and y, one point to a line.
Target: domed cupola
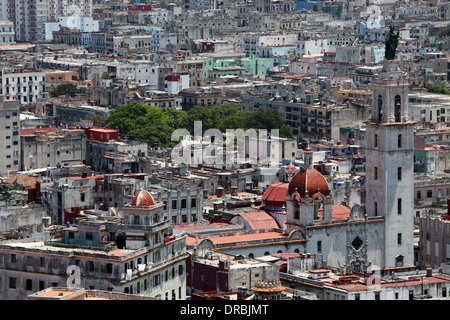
143	199
309	180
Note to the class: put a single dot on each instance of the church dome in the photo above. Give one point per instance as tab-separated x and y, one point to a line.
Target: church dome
309	180
267	286
290	168
143	199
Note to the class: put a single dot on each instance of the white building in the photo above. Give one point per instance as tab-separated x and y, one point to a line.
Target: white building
7	33
10	133
23	85
131	42
200	5
84	24
69	8
314	47
251	43
176	83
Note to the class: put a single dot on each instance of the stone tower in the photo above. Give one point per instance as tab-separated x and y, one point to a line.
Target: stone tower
390	166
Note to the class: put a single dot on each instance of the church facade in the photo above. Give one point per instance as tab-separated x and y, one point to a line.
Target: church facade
378	236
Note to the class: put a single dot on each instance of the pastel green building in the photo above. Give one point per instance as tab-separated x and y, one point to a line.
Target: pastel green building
219	65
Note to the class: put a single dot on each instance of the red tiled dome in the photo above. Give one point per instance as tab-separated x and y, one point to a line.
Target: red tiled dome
310	180
290	167
308	149
143	199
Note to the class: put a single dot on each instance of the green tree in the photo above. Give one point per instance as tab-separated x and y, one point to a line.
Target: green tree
439	87
97	120
154	125
444	32
153	135
67	89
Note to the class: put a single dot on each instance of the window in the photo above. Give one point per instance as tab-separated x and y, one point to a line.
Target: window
180	269
399	238
397	108
399	205
375	173
82	197
109	268
399	141
399	173
319	246
183	204
174	204
91	266
13	258
375	140
29	285
429	193
193	203
12	282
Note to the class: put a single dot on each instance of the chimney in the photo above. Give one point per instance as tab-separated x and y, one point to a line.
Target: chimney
429	272
220	192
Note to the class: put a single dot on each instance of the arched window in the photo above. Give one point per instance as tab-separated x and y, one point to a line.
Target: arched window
397	108
380	107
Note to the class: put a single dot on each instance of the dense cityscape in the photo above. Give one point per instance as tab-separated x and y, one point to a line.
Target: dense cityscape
227	150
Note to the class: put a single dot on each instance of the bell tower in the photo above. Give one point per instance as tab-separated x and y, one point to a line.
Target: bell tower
390	166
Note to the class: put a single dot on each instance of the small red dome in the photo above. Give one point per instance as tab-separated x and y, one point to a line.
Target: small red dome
308	149
143	199
310	180
291	167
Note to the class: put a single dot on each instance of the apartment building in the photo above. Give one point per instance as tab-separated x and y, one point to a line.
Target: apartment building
47	147
10	133
434	240
7	33
27	16
192	67
134	252
69	8
25	86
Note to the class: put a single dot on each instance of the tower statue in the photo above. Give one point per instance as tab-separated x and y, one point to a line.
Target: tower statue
391	44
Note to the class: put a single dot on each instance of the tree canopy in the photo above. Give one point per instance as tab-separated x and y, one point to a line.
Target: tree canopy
154	125
444	32
67	89
438	88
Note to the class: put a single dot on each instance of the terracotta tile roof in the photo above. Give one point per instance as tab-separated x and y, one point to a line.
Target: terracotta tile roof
246	237
340	212
259	220
31	132
276	193
23	180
